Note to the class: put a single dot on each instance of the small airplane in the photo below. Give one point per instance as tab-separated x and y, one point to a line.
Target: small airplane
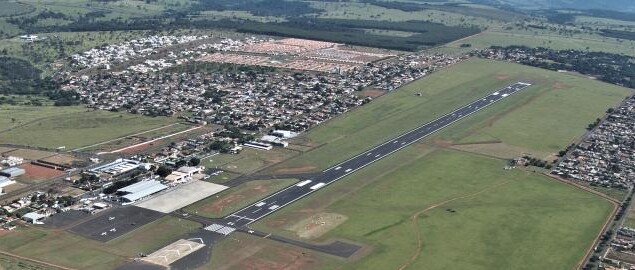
104	233
111	218
113	229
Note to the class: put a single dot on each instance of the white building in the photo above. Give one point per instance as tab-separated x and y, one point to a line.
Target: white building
140	190
12	161
287	134
5	181
33	217
29	38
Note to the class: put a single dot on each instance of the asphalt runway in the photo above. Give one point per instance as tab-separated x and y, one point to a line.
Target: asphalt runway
293	193
115	222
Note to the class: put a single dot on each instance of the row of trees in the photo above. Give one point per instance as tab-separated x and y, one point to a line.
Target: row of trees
609	67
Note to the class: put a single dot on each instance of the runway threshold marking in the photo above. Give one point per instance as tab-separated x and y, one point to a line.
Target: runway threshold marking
318	185
303	183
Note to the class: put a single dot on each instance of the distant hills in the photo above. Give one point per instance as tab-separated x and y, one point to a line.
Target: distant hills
616	5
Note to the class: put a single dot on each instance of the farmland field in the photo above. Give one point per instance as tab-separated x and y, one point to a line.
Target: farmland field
71	127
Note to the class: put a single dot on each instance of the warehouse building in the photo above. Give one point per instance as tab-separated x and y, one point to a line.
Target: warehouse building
287	134
5	181
118	166
12	172
190	171
277	141
138	191
258	145
33	217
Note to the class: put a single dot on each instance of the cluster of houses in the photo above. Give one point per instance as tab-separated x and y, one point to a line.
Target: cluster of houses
118	53
621	251
252	100
607	155
32	208
11	161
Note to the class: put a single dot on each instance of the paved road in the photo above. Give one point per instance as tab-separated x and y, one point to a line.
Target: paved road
336	248
293	193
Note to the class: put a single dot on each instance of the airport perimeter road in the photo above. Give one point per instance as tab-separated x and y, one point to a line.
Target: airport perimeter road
293	193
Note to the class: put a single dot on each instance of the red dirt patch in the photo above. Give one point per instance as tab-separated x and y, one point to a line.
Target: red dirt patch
218	206
372	93
559	86
225	201
286	259
502	77
37	173
62	159
138	148
443	143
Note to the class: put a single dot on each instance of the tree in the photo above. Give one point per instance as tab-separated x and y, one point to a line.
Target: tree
195	161
164	171
180	163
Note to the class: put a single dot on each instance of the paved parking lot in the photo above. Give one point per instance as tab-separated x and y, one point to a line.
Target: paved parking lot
115	222
181	196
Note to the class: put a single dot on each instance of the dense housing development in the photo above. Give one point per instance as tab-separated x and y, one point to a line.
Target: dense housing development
606	156
253	100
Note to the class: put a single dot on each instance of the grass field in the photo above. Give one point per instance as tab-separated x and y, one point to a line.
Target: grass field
11	263
238	197
549	115
495	38
14	8
556	116
69	250
243	251
60	248
153	236
248	161
516	212
72	127
361	11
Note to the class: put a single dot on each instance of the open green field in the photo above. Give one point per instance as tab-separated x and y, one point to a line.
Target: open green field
550	114
153	236
8	8
11	263
556	116
494	38
14	116
234	199
72	127
69	250
362	11
247	161
498	214
244	251
60	248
